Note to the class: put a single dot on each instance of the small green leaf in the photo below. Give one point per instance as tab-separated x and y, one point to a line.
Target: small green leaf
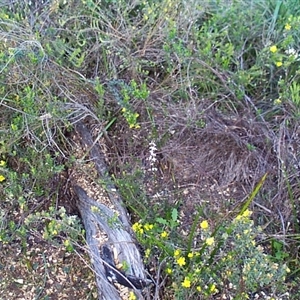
174	214
161	221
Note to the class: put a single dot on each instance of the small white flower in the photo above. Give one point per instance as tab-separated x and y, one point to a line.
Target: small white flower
291	51
152	157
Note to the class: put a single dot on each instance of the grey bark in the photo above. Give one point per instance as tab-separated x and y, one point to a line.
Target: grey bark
97	218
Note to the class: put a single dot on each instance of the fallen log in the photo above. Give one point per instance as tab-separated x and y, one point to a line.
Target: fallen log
108	233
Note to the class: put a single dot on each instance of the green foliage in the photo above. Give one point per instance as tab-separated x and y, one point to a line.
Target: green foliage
59	62
131	93
57	224
228	259
278	251
129	185
171	222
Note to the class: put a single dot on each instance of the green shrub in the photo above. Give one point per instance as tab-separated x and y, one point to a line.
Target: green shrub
228	259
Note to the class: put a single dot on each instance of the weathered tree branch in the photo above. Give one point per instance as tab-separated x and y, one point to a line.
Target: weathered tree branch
113	227
98	158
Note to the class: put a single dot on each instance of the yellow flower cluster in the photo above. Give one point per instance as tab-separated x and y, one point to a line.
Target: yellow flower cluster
245	215
132	296
138	228
274	49
131	118
147	252
213	289
204	226
180	260
148	226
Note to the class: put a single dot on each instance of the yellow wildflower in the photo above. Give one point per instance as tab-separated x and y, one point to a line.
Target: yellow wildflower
135	226
164	234
213	289
247	213
148	226
132	296
279	63
190	255
169	271
2	163
124	109
147	252
277	101
199	289
273	48
186	283
238	217
204	224
181	261
138	227
210	241
287	26
177	252
2	178
67	243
